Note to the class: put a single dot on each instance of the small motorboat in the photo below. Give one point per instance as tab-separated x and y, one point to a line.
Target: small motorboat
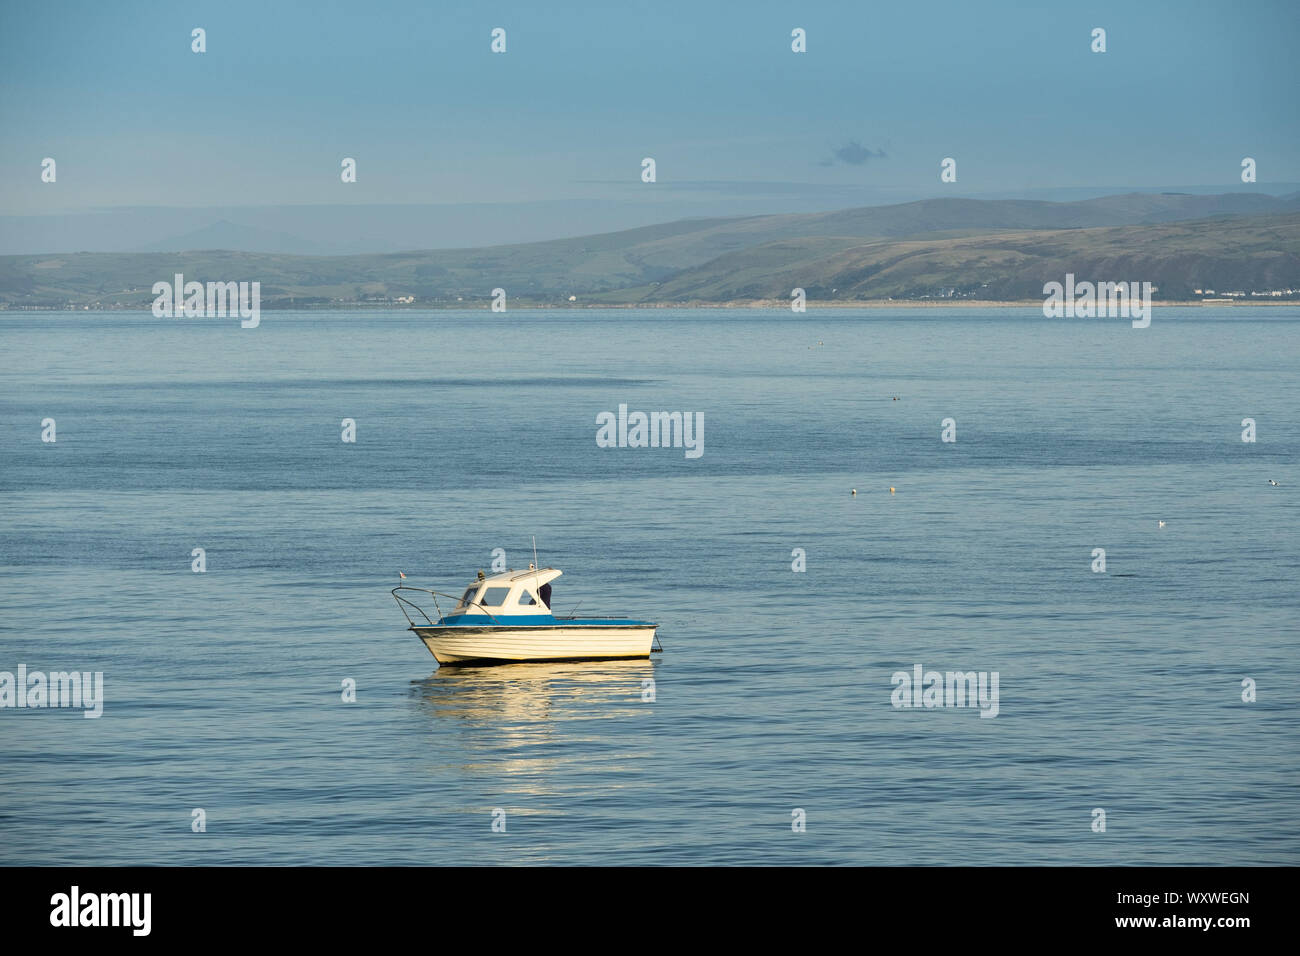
507	617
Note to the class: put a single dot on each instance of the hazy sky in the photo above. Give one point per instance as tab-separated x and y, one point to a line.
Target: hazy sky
713	92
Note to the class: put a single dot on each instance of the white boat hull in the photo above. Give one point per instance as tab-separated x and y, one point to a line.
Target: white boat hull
460	644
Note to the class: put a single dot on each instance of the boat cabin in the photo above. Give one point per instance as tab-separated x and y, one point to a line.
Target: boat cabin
508	593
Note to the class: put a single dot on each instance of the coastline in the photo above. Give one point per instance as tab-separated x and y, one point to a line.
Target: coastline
781	305
784	304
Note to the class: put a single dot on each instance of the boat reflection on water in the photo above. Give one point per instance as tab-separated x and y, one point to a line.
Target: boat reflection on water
522	735
540	692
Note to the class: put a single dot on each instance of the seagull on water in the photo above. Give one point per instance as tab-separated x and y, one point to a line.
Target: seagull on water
1162	524
1273	483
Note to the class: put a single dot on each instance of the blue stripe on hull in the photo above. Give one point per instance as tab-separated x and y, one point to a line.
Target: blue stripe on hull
536	620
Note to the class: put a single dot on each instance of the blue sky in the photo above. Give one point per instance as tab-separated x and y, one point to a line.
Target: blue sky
712	91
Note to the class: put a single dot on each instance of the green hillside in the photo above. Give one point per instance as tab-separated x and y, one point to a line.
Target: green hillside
951	247
1255	253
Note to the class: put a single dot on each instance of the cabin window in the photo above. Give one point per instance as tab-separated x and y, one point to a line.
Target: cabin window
469	596
526	597
495	596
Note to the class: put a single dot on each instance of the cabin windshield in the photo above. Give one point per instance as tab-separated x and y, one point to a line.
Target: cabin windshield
469	596
495	596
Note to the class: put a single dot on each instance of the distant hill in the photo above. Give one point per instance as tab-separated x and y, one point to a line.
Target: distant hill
1240	253
977	248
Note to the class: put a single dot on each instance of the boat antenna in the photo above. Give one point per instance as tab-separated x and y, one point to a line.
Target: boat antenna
535	564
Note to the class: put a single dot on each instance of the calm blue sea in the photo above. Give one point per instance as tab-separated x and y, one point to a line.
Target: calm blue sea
1119	691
